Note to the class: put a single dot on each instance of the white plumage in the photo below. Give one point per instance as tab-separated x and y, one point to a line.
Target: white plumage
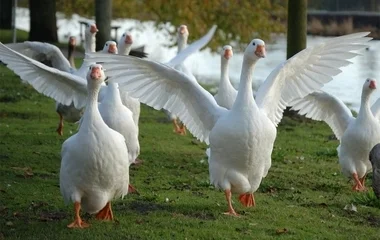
226	94
357	135
94	167
241	139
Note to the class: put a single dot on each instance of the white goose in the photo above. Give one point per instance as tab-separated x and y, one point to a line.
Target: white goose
117	115
226	92
52	56
357	136
94	169
241	139
124	48
178	63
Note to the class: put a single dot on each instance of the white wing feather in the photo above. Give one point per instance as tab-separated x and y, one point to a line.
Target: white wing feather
43	52
63	87
160	86
376	109
192	48
322	106
306	72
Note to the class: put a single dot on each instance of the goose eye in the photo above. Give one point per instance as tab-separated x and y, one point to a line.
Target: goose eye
124	35
253	43
89	68
106	44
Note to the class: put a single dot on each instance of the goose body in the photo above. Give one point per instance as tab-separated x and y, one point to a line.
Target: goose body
357	135
120	118
94	169
374	157
241	139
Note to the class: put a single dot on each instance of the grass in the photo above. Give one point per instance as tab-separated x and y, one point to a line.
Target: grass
6	35
303	196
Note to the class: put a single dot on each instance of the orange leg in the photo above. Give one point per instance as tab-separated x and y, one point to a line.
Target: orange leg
60	125
247	199
78	222
362	180
179	129
358	185
132	189
231	210
106	213
182	129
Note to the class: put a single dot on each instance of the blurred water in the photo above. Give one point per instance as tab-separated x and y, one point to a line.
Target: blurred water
206	65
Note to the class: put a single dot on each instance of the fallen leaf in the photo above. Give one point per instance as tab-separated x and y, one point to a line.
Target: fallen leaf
281	230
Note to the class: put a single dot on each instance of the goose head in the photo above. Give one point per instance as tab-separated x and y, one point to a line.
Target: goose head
72	41
255	50
227	52
182	31
110	47
95	75
370	84
126	38
91	29
125	43
182	35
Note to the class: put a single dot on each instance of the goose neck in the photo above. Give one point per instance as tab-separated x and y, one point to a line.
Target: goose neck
224	77
245	93
113	93
182	43
365	108
90	42
70	55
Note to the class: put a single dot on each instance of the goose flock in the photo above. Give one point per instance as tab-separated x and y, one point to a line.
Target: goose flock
239	128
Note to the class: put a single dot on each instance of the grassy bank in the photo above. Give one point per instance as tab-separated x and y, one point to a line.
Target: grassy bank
303	196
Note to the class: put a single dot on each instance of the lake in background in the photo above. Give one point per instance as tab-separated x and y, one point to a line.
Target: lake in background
206	65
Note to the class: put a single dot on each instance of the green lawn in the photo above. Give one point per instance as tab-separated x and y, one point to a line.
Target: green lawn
303	196
6	35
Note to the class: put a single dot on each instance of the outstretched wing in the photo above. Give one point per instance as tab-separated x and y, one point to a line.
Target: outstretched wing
322	106
64	87
192	48
307	72
160	86
43	52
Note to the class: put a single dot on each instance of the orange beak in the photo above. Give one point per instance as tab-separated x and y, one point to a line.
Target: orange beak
95	73
72	41
182	29
93	28
228	54
128	39
372	84
260	51
112	48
